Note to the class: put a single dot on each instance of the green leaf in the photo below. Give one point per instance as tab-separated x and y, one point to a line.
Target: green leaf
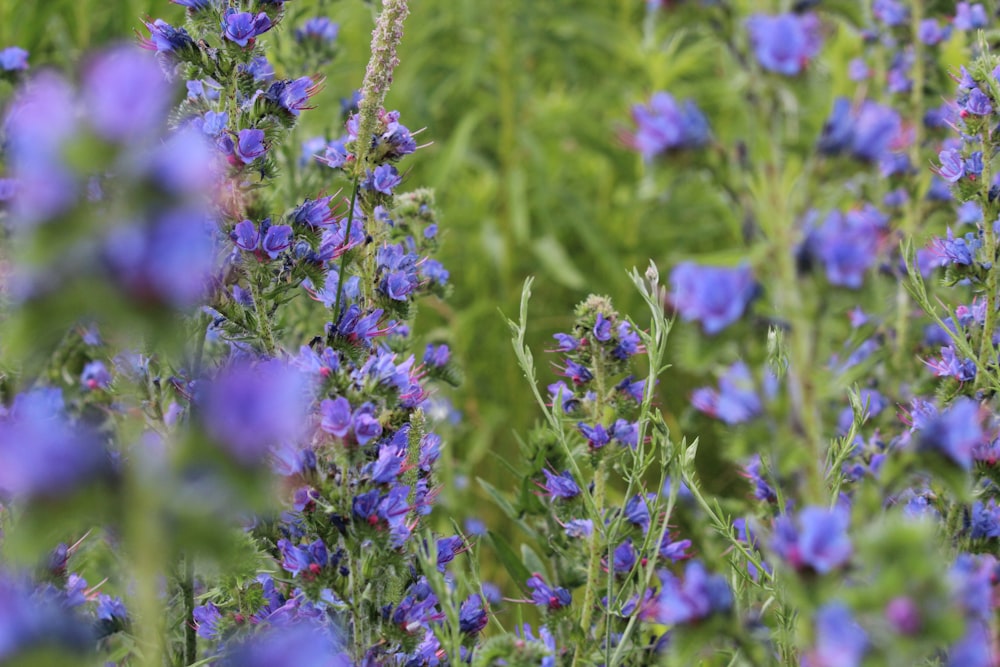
508	558
498	498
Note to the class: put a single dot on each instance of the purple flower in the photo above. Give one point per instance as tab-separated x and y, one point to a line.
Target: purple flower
472	616
259	69
366	425
735	402
166	39
206	618
167	262
785	43
319	28
95	376
840	641
547	597
624	557
626	433
293	95
125	95
636	511
383	179
242	27
437	355
302	642
977	103
954	433
969	17
889	12
903	615
42	452
931	33
714	296
663	126
847	244
336	416
213	124
250	145
250	408
277	238
562	486
952	166
313	213
950	365
597	436
308	559
32	619
13	59
695	598
816	539
866	131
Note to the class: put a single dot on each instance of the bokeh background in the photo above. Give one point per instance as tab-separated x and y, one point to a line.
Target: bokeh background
525	104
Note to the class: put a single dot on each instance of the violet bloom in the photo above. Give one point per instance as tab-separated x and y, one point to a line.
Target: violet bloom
293	95
695	598
40	121
736	400
952	166
969	17
785	43
276	239
840	641
714	296
43	453
367	426
847	244
125	95
335	416
548	597
30	620
170	261
866	132
300	642
250	145
95	376
562	486
663	125
954	433
242	28
816	539
250	408
166	39
977	103
13	59
931	33
318	28
472	617
384	179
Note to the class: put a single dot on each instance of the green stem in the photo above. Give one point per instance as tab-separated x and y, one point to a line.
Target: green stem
986	355
594	560
347	239
190	633
914	205
263	318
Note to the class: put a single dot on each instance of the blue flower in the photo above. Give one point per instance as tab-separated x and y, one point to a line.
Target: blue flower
698	596
663	125
954	433
562	486
319	28
736	400
42	452
13	59
384	179
714	296
816	539
840	641
784	43
242	27
250	408
547	597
